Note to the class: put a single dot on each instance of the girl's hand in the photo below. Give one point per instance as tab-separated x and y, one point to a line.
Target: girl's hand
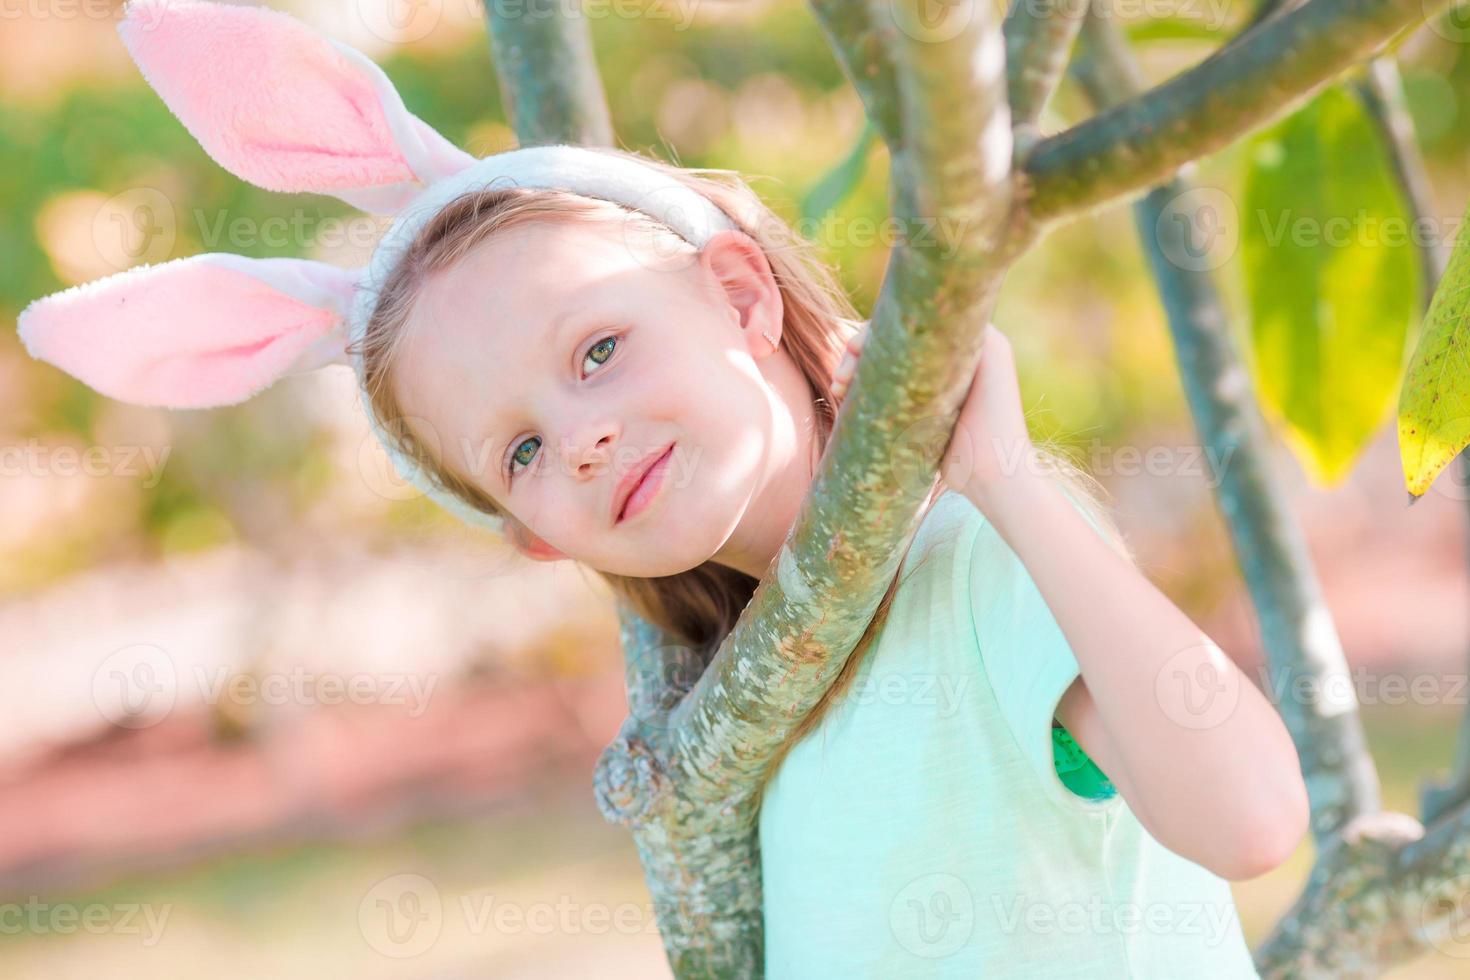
843	377
990	440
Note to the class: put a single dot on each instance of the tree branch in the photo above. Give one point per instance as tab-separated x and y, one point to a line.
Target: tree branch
848	25
684	778
548	77
1300	641
1257	77
923	347
682	771
1387	891
1039	36
1382	92
1381	889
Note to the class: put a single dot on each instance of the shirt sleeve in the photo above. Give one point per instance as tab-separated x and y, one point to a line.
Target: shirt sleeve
1029	665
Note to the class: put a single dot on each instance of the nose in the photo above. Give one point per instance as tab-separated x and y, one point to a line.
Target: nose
589	452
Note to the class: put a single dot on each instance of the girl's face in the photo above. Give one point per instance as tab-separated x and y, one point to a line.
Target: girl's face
557	355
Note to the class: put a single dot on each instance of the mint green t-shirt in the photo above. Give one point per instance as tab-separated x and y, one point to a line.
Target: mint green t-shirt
923	829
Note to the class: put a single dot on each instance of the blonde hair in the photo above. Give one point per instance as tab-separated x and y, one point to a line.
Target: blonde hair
700	606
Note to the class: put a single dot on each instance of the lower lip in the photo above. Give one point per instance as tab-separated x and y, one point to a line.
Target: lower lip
647	491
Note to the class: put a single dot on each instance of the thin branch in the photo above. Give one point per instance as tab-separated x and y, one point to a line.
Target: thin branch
1381	888
1382	92
1267	9
1039	36
1436	795
1257	77
1301	644
548	77
848	25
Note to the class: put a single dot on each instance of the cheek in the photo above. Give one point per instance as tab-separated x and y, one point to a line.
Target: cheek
717	378
732	413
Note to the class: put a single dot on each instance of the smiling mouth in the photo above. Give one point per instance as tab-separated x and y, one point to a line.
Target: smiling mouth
648	487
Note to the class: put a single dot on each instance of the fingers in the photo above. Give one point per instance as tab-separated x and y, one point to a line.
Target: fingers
839	389
844	374
848	366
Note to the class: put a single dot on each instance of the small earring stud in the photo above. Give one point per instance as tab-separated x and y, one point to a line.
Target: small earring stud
769	339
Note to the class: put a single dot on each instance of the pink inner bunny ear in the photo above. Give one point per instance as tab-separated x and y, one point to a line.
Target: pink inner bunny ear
197	332
283	107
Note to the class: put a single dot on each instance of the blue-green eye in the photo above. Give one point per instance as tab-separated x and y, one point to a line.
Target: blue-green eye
602	345
600	353
517	454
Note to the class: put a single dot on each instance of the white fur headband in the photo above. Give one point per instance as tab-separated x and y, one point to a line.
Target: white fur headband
287	109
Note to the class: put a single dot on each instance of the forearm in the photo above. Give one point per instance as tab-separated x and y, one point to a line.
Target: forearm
1208	757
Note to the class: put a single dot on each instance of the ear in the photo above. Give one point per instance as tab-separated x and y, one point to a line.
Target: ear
283	107
198	332
739	265
529	545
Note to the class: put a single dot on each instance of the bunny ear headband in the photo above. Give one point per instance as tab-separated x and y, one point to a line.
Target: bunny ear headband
287	109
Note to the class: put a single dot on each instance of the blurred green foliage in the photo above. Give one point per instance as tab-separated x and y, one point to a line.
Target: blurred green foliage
761	94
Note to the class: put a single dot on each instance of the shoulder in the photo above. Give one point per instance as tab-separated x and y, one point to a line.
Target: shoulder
952	515
954	528
948	526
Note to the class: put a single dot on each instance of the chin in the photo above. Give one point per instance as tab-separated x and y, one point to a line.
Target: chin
656	567
685	541
678	555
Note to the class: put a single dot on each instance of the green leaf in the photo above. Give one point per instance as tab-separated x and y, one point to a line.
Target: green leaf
1434	403
839	182
1332	274
1175	29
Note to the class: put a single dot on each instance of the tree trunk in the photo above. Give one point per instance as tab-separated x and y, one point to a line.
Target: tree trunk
957	100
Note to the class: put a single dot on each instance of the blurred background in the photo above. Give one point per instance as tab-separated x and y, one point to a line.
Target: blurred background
266	711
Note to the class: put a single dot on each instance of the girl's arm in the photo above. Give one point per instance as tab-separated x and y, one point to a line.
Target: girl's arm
1198	753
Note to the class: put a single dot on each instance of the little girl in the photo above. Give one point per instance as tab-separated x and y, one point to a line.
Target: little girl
635	366
931	817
